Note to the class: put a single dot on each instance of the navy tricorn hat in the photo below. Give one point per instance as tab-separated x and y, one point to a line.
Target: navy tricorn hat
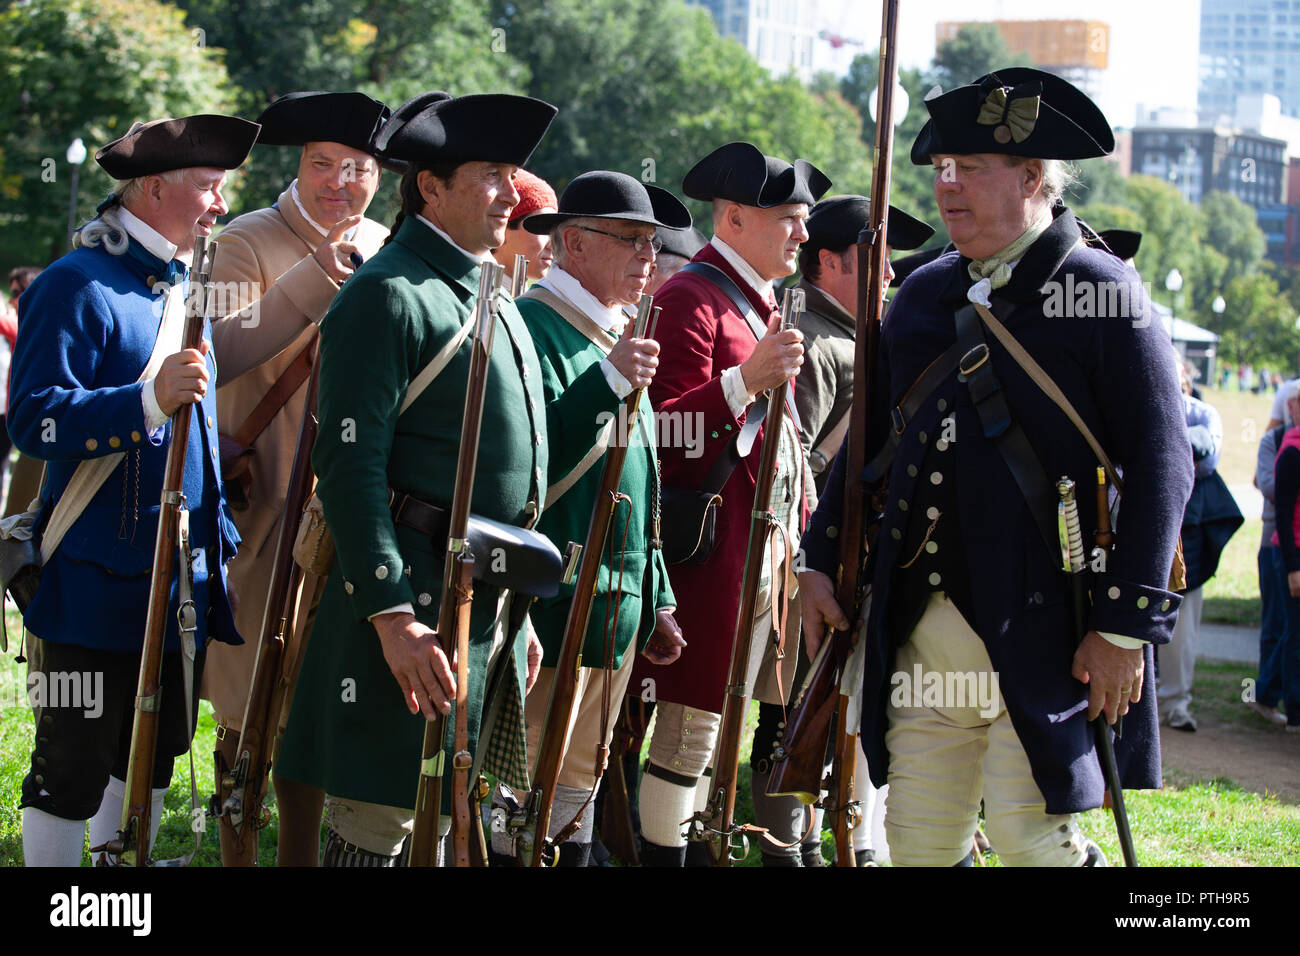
205	139
1017	111
835	222
489	127
1124	243
739	172
681	242
603	194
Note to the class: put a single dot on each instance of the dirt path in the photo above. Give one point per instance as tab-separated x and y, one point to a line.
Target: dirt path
1250	753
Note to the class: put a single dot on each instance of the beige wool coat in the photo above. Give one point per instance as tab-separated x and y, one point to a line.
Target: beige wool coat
267	255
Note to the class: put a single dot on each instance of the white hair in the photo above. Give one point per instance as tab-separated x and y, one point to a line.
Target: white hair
561	254
107	227
1292	390
1058	176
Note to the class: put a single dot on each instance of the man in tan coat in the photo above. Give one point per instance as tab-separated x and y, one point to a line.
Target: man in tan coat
282	266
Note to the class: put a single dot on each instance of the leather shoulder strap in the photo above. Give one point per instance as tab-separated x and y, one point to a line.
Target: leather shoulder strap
724	282
277	396
1050	389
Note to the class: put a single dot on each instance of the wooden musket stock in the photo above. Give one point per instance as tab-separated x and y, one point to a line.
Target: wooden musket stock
531	841
454	612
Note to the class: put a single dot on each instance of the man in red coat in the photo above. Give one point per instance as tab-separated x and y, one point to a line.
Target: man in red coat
717	359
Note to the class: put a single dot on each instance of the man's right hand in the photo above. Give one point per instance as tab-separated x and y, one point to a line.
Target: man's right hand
819	607
418	664
635	359
775	359
182	379
334	254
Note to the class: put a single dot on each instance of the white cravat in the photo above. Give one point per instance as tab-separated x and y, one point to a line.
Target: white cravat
610	318
297	201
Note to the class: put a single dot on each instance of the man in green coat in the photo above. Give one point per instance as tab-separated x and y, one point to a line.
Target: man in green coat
374	671
603	237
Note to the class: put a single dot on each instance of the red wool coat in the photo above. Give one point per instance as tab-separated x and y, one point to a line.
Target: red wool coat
702	335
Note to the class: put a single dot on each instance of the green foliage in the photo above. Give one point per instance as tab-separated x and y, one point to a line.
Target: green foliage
1258	324
89	69
978	48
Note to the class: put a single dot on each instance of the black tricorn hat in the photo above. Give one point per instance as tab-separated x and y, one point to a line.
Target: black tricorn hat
681	242
1124	243
1017	111
739	172
297	119
487	127
603	194
206	139
835	222
905	266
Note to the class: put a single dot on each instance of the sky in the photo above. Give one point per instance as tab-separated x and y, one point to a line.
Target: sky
1153	46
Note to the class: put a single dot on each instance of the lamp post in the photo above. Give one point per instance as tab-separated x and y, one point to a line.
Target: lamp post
76	155
1174	283
1217	307
900	103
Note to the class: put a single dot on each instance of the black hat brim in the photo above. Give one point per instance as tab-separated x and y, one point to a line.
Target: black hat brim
739	172
205	139
836	222
489	127
681	242
602	194
296	119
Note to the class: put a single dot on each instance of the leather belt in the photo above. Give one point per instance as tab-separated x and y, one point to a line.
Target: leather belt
420	515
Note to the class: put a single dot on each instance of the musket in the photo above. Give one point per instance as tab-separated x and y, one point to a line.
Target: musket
454	612
808	722
243	786
131	848
716	823
1074	565
532	845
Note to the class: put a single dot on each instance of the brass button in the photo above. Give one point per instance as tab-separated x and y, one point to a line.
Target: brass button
931	547
1113	594
932	512
911	471
381	572
896	534
1143	601
943	405
936	477
1165	605
425	599
935	579
832	531
922	437
210	421
136	436
902	505
114	442
91	444
347	587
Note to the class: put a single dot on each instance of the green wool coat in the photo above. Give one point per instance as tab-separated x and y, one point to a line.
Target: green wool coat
574	383
349	731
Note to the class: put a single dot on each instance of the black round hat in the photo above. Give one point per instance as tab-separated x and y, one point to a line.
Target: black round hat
604	194
488	127
739	172
205	139
1016	111
835	222
681	242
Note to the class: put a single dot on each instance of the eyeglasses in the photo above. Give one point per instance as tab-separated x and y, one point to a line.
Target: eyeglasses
636	242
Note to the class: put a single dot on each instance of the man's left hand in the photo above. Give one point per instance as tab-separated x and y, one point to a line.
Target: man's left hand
1113	675
534	658
667	642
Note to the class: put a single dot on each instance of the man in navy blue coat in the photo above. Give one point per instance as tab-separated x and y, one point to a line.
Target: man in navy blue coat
98	372
976	683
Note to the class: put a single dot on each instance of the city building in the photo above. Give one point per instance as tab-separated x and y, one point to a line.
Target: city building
779	34
1249	47
1075	50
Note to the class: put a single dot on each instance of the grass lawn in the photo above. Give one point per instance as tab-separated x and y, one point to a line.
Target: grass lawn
1232	595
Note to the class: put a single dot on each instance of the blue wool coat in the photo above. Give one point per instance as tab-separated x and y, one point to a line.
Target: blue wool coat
990	559
87	327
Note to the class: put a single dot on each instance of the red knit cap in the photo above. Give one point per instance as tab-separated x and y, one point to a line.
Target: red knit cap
535	194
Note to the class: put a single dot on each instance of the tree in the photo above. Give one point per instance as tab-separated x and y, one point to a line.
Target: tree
1231	230
1172	232
1258	324
978	48
88	69
389	49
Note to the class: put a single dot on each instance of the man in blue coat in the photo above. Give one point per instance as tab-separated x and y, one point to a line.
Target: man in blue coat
98	372
977	685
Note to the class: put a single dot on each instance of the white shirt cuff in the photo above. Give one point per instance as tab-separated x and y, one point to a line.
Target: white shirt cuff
404	608
154	417
1119	640
619	385
733	388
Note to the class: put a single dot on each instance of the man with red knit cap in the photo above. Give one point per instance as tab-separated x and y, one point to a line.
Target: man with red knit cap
535	196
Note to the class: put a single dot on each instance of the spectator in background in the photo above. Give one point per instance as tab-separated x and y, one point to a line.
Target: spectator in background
1282	665
1210	520
535	196
27	471
1273	590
